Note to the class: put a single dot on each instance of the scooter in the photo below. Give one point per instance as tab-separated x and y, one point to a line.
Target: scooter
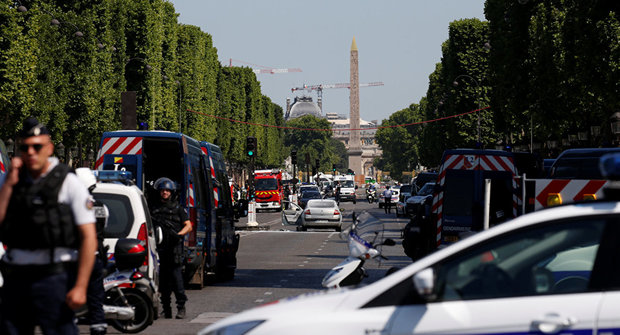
351	271
371	196
128	303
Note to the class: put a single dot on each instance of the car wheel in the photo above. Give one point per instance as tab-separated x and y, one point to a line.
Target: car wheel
354	201
380	206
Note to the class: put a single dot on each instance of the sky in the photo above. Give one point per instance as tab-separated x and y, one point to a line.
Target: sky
399	44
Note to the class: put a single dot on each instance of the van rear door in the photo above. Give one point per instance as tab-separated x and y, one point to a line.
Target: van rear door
122	153
459	201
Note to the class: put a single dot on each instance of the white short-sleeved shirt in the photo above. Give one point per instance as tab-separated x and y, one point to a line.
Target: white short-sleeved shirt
74	193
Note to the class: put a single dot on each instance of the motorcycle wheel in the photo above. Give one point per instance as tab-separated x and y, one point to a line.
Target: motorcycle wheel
142	307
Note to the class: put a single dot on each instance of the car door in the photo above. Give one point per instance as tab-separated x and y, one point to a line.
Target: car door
536	280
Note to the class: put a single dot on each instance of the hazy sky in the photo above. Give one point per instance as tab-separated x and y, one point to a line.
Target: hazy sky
399	43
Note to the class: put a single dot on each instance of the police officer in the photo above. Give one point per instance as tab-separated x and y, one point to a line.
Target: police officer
387	196
48	226
168	214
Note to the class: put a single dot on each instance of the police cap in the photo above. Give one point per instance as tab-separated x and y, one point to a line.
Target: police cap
32	127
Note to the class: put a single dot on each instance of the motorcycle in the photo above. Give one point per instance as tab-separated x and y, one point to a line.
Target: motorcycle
371	196
351	271
128	303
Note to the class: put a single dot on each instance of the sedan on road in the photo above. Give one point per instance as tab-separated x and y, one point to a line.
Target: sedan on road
322	213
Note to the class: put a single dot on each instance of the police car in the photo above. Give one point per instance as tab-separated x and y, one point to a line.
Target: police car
554	271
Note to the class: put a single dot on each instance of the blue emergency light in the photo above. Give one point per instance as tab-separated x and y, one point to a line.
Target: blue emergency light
113	176
610	166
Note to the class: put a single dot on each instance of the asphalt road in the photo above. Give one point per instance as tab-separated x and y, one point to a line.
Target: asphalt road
276	262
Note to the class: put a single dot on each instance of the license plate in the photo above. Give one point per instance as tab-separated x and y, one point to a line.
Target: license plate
451	238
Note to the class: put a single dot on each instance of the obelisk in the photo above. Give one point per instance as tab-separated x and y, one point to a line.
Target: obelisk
355	145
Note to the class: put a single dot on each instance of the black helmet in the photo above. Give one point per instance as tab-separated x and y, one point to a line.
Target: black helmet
165	184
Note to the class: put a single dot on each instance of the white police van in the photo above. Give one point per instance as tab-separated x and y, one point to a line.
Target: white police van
555	271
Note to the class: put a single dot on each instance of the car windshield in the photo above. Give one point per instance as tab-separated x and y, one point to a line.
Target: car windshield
427	189
311	195
121	216
266	184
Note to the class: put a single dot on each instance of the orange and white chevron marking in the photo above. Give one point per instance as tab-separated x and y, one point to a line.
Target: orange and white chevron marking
118	146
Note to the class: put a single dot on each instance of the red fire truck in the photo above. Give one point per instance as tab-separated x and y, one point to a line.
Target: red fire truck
268	189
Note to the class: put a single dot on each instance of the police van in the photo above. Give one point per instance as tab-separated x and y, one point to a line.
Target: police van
150	155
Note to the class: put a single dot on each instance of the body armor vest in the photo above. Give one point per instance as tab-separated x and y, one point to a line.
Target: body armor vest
35	219
166	216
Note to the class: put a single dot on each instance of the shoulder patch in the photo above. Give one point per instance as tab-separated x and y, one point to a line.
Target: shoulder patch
90	204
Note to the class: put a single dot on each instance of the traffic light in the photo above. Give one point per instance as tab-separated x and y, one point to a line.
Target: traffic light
294	157
250	146
334	168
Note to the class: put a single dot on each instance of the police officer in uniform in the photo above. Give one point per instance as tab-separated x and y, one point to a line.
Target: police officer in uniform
48	226
170	216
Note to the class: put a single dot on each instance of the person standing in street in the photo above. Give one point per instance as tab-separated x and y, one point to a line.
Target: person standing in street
47	224
170	216
337	193
387	196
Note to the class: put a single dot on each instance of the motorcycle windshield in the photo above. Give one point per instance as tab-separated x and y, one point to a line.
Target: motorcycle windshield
362	236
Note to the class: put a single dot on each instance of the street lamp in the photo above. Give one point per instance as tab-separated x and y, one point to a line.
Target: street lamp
456	83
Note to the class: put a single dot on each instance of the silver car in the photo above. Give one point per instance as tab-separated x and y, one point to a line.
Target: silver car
321	213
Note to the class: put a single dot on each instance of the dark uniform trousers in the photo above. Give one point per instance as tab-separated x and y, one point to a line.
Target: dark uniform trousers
34	297
171	280
95	296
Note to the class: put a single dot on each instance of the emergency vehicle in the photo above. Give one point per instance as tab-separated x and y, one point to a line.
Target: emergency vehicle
458	203
150	155
574	176
268	190
548	272
347	187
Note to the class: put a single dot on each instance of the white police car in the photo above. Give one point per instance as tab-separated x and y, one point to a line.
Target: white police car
555	271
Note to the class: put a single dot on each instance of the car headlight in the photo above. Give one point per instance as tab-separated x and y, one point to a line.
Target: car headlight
235	329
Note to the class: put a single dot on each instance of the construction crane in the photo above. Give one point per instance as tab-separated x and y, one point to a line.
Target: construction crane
319	88
264	69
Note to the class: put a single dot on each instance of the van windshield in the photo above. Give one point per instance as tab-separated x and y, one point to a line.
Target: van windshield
266	184
347	184
577	168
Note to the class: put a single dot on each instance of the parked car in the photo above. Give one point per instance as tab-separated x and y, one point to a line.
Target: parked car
424	197
306	187
406	190
552	271
422	178
307	195
323	213
128	217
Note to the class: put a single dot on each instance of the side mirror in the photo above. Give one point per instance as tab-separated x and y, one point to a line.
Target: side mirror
423	282
159	235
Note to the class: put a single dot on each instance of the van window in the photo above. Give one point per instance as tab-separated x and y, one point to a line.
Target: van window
162	157
577	168
121	216
458	195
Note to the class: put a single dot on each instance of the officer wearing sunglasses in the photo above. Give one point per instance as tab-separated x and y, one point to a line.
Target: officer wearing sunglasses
47	224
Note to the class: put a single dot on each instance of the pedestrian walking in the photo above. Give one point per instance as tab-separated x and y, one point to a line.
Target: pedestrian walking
387	196
337	193
170	216
47	223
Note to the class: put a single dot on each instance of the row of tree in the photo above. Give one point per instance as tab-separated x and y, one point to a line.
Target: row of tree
549	71
67	62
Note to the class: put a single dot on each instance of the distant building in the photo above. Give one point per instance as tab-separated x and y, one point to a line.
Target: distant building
340	123
302	106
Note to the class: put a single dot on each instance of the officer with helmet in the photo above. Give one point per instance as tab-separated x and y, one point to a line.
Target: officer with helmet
170	216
